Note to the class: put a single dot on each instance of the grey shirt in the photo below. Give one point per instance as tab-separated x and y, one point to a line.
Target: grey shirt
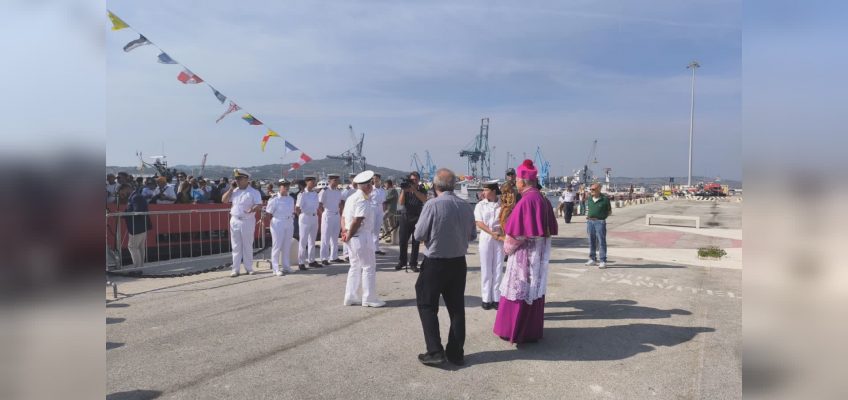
446	225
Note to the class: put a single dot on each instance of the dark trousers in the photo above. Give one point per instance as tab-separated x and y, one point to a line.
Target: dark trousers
406	228
442	277
569	211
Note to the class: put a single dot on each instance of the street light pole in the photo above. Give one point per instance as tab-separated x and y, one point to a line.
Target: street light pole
693	66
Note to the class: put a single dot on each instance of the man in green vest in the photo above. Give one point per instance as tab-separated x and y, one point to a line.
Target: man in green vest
598	208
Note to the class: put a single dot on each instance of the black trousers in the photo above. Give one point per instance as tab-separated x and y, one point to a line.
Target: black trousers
569	211
442	277
406	227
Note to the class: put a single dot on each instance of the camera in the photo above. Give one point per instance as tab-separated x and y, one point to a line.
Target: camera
405	183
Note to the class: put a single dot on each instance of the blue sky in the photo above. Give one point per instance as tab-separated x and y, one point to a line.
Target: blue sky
416	76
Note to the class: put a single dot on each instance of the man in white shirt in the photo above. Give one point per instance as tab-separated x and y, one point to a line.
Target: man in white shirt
246	201
307	210
281	208
378	196
351	189
568	197
330	200
164	193
358	223
486	215
111	189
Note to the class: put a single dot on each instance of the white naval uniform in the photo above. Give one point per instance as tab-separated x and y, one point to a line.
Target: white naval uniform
308	226
491	250
282	210
345	195
242	226
363	262
378	196
330	223
168	191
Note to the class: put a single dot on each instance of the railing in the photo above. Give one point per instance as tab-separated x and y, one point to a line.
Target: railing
174	235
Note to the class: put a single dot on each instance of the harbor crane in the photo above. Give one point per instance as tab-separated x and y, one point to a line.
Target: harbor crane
353	159
426	169
543	166
585	176
478	153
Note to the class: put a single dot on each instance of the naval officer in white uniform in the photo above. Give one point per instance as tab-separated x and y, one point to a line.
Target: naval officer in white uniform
246	201
486	214
330	200
357	233
351	189
378	196
307	210
281	208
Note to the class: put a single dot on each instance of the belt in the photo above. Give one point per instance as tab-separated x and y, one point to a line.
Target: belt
283	217
309	214
240	218
332	212
594	219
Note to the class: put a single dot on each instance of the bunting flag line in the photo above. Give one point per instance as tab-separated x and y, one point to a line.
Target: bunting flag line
267	137
218	94
165	59
232	108
117	23
251	119
188	77
141	41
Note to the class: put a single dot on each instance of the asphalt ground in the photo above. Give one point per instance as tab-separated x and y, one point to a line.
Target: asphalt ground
658	323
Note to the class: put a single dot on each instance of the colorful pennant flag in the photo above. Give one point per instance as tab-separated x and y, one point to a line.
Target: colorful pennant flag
290	147
232	108
267	137
218	94
303	160
166	59
117	23
141	41
188	77
251	119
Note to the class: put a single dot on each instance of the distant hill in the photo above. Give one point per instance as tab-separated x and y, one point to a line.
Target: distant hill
326	165
270	171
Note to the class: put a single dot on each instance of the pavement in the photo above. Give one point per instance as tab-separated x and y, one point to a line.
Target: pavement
658	323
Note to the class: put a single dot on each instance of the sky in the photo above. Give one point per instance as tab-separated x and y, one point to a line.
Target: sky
420	76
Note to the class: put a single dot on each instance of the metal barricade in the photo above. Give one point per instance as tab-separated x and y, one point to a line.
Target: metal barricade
171	236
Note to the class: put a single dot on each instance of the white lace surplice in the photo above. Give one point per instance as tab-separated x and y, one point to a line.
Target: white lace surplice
526	276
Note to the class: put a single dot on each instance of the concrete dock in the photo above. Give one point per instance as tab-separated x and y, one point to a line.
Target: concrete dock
657	323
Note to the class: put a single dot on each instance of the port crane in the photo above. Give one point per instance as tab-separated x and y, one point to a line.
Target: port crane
478	153
353	159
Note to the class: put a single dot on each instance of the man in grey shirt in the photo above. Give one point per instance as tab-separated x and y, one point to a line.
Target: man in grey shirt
446	225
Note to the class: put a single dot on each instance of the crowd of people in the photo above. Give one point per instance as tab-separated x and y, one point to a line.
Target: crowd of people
516	222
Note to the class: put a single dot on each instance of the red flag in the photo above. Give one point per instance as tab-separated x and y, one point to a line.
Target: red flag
305	158
187	76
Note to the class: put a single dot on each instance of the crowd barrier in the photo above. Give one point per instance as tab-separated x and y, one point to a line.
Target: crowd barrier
176	232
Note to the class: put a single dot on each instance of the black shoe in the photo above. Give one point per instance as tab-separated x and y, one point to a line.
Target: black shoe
301	267
338	261
398	267
325	262
432	359
382	253
494	306
486	306
414	269
315	264
458	361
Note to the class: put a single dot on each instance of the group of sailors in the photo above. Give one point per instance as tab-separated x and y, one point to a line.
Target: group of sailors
353	215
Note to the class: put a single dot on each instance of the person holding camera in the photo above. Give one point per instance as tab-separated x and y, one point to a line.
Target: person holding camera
412	198
164	193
